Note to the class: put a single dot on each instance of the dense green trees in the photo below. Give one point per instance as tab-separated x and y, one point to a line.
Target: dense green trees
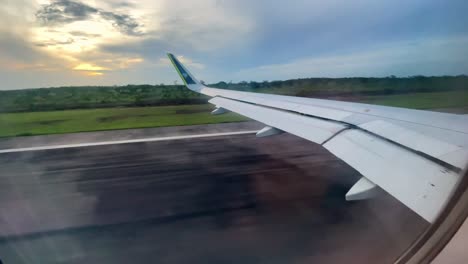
153	95
62	98
318	87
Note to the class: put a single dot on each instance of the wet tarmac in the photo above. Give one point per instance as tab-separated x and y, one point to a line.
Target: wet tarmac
233	199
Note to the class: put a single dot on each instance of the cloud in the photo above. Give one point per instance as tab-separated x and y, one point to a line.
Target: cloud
423	57
202	27
78	33
94	73
125	63
61	12
17	54
13	46
186	61
54	43
42	41
65	11
124	23
122	4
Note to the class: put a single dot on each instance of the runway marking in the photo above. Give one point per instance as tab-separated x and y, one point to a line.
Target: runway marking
103	143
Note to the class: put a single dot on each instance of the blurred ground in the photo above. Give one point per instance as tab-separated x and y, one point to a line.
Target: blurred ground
102	119
235	199
85	120
125	134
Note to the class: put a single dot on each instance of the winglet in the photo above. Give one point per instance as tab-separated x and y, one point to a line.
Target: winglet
184	74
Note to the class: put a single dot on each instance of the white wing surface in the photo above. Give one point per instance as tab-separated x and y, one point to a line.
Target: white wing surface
416	156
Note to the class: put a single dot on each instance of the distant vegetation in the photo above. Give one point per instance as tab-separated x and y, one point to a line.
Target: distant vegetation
89	97
352	89
345	87
34	111
68	121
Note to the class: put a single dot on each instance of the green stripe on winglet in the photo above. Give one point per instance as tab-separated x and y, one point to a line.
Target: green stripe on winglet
182	73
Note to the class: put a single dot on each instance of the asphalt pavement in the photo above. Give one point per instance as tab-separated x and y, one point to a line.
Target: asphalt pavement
228	199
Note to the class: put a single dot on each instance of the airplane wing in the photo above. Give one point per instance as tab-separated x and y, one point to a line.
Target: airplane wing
416	156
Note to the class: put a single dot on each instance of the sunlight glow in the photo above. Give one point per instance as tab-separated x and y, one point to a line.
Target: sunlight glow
94	74
89	67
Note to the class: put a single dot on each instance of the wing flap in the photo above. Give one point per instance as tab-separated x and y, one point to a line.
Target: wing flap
422	185
419	142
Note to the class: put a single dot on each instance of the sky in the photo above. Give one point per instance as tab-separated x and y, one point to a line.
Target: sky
117	42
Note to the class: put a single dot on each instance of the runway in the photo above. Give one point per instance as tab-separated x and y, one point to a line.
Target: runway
117	142
230	198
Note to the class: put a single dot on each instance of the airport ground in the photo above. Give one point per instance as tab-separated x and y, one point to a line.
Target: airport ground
101	119
225	199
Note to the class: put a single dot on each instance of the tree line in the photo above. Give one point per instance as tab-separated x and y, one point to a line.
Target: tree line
63	98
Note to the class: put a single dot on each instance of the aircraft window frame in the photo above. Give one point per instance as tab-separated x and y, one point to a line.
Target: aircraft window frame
438	235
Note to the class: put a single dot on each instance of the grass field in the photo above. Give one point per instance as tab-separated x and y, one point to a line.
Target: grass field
55	122
433	100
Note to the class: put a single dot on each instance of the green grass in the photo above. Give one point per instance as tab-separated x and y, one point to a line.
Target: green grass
434	100
56	122
68	121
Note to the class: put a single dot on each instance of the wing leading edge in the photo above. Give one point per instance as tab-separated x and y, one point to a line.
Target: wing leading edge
416	156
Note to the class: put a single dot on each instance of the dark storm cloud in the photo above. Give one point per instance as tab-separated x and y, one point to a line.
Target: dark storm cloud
68	11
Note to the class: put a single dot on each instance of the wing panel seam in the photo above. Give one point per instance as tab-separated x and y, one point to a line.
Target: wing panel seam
351	111
351	126
336	134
